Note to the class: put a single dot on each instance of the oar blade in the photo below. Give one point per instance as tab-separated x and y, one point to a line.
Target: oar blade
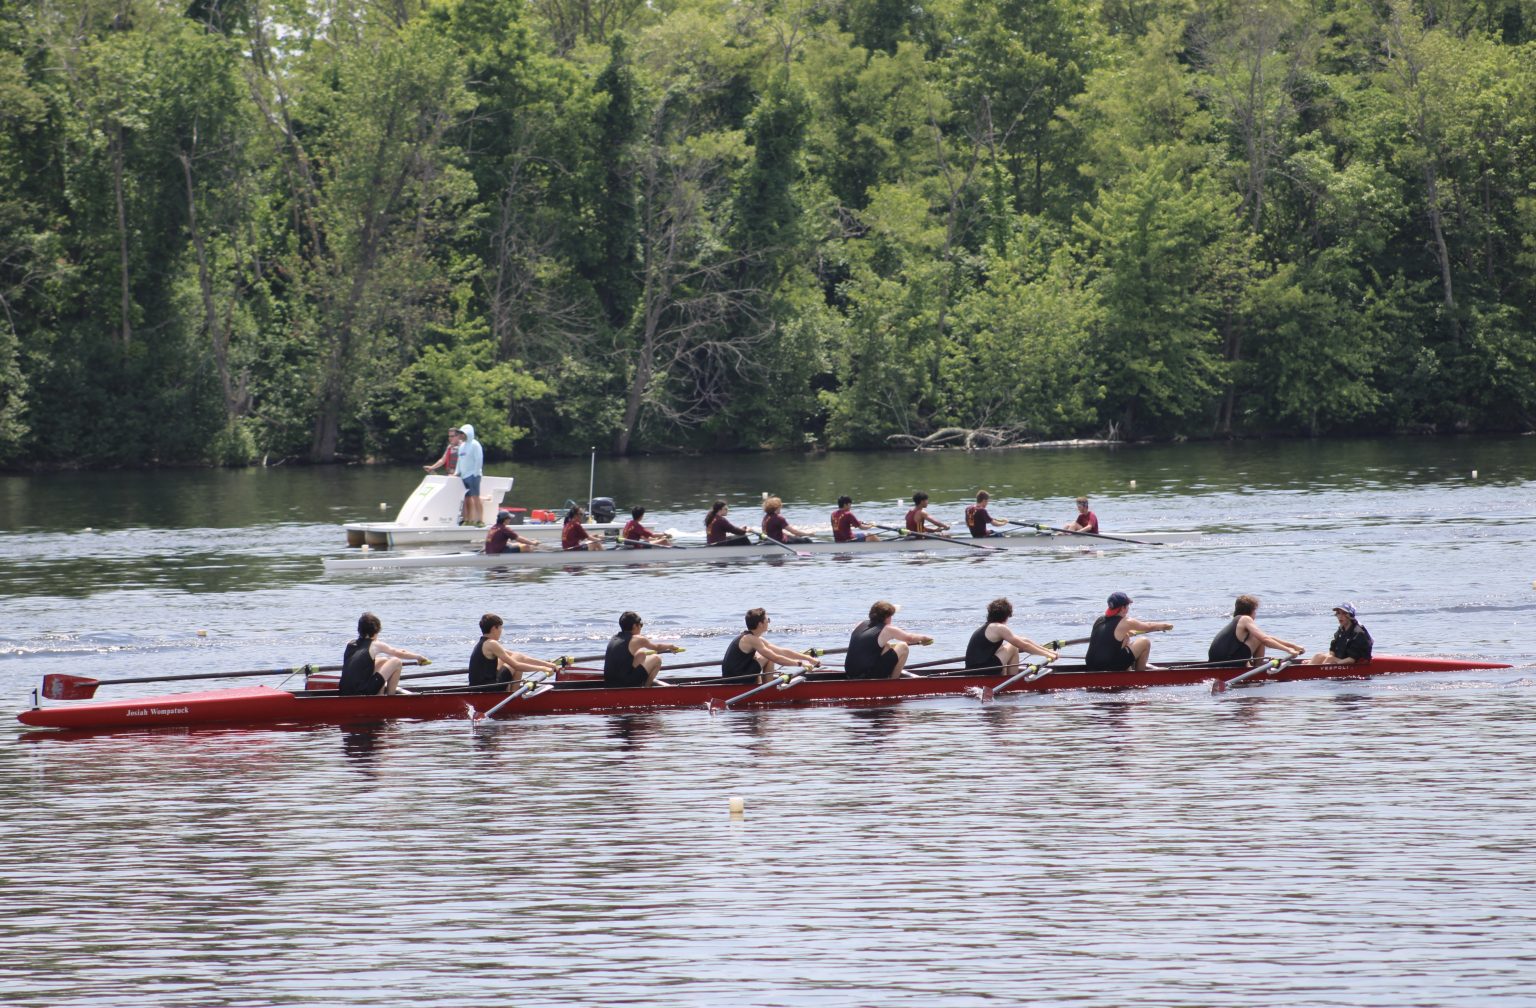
62	686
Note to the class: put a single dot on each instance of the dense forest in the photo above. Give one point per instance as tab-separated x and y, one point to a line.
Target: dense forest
240	230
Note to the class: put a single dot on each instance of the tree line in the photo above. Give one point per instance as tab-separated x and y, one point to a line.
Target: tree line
236	230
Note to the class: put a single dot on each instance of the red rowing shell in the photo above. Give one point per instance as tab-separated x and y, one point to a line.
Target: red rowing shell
263	705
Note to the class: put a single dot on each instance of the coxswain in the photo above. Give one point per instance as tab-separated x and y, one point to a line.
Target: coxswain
574	535
877	648
1351	643
919	520
777	527
1242	639
718	530
978	518
638	536
369	666
994	647
1086	521
846	526
1112	646
749	654
630	659
491	663
503	538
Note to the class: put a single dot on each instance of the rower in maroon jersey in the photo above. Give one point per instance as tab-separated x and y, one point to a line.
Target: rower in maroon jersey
777	527
718	529
574	535
846	526
638	536
978	518
1086	521
919	520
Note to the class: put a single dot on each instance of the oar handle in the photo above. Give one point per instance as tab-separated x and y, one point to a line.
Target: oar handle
1091	535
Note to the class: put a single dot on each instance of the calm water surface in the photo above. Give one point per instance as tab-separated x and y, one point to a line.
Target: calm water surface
1333	843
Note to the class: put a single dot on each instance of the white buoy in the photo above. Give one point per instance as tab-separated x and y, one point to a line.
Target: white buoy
738	807
1474	474
202	633
1133	482
87	529
383	505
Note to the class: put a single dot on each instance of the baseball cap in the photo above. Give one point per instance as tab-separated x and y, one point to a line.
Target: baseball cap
1119	600
1346	609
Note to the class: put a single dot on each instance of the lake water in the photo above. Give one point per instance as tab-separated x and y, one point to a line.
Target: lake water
1327	843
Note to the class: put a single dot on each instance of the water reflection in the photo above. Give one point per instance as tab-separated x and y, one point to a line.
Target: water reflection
363	741
633	730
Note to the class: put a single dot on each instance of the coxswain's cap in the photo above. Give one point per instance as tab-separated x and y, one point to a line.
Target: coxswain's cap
503	516
1346	609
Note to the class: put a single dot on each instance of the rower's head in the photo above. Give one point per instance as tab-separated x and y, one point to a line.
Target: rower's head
719	507
502	517
489	623
845	501
1082	503
1118	603
756	618
998	610
1246	605
919	498
368	626
575	513
771	505
983	497
637	512
630	621
881	612
1345	612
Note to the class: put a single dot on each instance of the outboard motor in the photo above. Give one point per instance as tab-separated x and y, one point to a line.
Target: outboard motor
603	509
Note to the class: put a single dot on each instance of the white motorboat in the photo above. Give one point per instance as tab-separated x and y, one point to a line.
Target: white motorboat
431	515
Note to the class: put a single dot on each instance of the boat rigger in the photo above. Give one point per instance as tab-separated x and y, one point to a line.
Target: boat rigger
269	706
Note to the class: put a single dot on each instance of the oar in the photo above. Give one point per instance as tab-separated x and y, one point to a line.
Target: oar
783	546
63	686
781	680
930	535
1269	667
563	661
813	652
531	682
642	542
1093	535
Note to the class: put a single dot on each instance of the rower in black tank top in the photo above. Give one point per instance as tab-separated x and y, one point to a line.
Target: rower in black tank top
1105	654
980	653
738	663
483	671
358	677
619	665
1226	647
864	659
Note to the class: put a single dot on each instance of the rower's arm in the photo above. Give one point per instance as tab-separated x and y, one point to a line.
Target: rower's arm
1269	640
1027	645
398	652
1135	625
897	633
785	655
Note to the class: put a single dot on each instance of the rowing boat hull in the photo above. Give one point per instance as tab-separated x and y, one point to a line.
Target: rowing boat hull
263	705
756	551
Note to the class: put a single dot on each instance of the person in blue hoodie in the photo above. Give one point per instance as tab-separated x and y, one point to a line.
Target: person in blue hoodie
469	468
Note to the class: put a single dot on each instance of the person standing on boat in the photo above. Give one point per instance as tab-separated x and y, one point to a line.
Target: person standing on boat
777	527
491	663
1242	639
1112	646
1086	521
369	666
877	648
469	468
846	526
994	647
502	538
574	535
449	462
1351	643
749	654
638	536
978	518
718	530
919	520
630	659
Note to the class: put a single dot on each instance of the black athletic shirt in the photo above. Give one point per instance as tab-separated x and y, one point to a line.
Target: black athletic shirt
483	671
1226	647
357	675
736	663
1353	641
619	665
865	659
1105	654
980	653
